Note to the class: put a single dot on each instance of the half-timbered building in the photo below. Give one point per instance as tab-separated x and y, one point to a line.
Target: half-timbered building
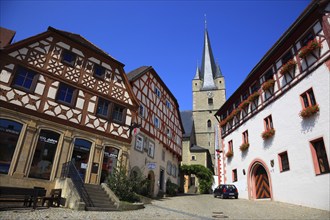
62	99
157	148
275	126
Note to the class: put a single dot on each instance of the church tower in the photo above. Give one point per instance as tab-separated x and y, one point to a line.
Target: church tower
209	94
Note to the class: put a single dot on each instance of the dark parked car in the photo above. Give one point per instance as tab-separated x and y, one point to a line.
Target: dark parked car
226	191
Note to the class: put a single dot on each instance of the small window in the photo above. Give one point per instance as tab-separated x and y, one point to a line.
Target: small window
268	123
245	137
157	91
139	143
118	114
284	161
230	146
168	104
68	58
25	79
255	87
99	71
308	37
209	124
320	158
308	98
193	157
151	149
169	167
103	108
234	175
210	101
66	94
168	133
141	111
286	57
268	75
163	155
156	122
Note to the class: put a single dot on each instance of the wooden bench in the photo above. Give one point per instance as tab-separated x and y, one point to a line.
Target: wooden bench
28	196
55	197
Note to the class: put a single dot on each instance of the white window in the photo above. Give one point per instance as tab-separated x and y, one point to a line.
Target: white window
168	104
141	111
151	149
169	167
157	91
156	122
139	143
168	133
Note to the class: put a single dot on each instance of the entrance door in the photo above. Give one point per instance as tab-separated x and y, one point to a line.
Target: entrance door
80	156
109	162
261	183
151	178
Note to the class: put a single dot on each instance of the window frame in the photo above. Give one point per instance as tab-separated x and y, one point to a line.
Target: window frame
156	122
245	137
157	92
123	114
316	157
310	35
234	175
27	71
139	142
283	161
151	149
97	68
268	123
209	124
108	109
141	111
231	147
310	98
210	101
73	98
66	62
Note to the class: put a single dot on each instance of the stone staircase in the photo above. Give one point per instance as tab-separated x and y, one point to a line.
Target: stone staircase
100	199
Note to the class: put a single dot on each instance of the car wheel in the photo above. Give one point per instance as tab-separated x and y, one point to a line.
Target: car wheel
214	196
236	197
221	196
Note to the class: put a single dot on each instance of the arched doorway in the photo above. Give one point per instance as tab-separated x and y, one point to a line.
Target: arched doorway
259	184
151	179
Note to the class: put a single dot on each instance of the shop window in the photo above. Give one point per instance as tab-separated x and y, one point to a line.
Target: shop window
80	155
66	94
25	79
44	154
284	161
234	173
9	133
320	158
68	58
109	162
99	71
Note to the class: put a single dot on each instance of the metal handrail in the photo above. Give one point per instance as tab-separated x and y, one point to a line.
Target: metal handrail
69	170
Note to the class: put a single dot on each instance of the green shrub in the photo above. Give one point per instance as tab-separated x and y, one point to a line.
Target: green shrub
171	188
203	174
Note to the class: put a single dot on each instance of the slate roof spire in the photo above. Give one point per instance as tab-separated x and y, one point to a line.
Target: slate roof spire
209	69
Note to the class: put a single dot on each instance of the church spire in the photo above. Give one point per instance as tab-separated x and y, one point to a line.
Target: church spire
209	70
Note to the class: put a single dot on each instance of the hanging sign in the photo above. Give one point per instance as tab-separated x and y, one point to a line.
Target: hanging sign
135	131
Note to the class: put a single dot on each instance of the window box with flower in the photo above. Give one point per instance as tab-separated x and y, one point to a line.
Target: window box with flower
311	46
229	154
253	96
309	111
288	66
268	84
244	104
268	133
244	146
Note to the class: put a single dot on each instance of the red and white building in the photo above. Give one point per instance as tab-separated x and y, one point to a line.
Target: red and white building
275	126
156	149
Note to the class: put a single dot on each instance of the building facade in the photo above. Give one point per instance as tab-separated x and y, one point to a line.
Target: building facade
275	126
156	149
62	99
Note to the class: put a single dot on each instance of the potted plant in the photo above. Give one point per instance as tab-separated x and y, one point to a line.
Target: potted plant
229	154
288	66
253	96
244	146
309	111
311	45
268	133
268	84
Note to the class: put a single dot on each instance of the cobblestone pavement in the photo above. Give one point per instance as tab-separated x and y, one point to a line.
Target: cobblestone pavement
183	207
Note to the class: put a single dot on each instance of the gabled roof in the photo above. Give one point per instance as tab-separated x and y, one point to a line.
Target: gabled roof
196	148
81	40
187	121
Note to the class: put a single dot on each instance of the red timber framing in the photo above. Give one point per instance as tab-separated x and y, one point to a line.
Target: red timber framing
42	54
157	102
312	23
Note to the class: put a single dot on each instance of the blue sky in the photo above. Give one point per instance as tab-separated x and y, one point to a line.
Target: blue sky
167	35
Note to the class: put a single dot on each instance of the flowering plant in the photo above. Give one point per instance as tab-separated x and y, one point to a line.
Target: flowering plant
229	154
253	96
268	84
288	66
230	116
244	146
311	45
244	104
268	133
309	111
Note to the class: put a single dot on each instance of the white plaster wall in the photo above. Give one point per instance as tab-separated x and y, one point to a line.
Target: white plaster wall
300	185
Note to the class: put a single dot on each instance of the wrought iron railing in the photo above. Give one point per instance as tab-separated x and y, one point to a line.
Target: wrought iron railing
70	170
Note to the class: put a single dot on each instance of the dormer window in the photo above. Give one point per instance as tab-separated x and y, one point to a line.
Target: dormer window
99	71
68	58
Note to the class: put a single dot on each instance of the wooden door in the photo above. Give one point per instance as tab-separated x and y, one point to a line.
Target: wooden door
261	183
